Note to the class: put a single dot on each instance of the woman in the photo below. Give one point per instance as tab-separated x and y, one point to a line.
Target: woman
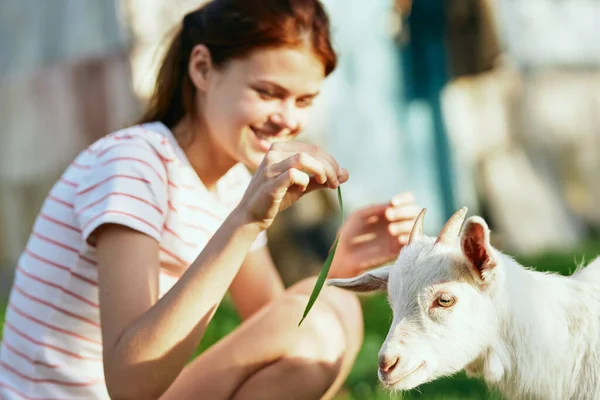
146	231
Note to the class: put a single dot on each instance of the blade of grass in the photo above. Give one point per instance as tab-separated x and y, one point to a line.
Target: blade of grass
326	265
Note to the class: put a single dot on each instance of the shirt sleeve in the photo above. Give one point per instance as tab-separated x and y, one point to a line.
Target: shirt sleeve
126	185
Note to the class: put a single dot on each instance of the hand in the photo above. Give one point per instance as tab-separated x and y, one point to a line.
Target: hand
373	236
288	171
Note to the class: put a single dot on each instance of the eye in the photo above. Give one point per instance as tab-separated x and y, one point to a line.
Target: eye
306	102
265	94
445	300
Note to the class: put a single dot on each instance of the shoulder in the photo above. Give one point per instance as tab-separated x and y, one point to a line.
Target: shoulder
138	150
123	179
144	141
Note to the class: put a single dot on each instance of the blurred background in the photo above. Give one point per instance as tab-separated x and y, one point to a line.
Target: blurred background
492	104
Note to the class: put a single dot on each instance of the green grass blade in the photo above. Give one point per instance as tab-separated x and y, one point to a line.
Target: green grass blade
341	204
325	269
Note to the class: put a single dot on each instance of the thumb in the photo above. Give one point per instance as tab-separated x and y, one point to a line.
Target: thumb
314	185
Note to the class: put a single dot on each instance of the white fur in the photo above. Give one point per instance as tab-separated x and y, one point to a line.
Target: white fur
530	334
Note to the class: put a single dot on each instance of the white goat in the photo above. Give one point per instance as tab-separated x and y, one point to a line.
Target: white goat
458	303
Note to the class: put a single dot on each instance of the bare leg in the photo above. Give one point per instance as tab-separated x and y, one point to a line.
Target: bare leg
270	357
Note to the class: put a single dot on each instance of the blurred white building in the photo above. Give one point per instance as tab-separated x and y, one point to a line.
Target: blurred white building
527	132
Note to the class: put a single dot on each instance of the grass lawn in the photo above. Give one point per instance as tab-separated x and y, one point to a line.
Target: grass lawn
362	383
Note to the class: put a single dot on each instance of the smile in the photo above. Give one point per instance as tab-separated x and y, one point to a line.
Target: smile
261	140
406	375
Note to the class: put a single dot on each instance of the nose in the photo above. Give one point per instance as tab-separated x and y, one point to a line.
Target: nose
387	363
286	117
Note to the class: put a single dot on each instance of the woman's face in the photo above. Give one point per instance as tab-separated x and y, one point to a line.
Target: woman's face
252	102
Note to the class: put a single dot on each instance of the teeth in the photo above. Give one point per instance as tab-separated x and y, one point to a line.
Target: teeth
267	138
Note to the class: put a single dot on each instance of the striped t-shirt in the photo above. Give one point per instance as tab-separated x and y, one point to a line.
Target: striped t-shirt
138	177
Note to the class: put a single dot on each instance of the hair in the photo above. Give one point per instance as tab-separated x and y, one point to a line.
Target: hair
232	29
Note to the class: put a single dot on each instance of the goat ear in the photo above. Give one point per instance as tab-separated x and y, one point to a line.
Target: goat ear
372	281
476	247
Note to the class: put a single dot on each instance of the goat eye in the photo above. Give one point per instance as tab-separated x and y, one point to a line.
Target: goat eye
445	300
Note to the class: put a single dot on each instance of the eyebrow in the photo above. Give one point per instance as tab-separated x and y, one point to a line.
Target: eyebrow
286	91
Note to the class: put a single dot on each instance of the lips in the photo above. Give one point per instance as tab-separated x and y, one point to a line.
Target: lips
262	139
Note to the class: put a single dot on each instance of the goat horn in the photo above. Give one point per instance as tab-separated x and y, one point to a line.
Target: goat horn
452	227
417	229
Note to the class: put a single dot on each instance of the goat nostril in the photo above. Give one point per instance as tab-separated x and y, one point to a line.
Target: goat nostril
387	364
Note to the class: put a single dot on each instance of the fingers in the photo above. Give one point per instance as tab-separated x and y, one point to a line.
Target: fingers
402	206
308	158
403	239
403	198
408	211
401	216
343	176
284	175
313	150
291	177
302	162
400	228
372	213
314	185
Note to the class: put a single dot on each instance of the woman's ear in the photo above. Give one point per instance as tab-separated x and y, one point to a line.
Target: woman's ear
200	67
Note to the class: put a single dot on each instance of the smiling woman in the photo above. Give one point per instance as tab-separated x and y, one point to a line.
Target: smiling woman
249	98
145	232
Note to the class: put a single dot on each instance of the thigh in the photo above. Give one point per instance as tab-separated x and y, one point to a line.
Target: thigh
332	331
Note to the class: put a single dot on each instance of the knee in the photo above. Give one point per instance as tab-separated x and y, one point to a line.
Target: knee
320	337
348	309
315	350
332	331
322	349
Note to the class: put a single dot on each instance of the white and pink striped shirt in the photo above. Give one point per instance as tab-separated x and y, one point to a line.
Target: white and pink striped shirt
138	177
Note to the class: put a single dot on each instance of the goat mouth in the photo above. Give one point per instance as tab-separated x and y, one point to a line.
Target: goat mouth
405	376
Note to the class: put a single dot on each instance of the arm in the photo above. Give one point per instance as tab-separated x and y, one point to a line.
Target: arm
149	342
256	283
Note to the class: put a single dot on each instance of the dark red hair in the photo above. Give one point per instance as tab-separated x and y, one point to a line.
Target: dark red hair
232	29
